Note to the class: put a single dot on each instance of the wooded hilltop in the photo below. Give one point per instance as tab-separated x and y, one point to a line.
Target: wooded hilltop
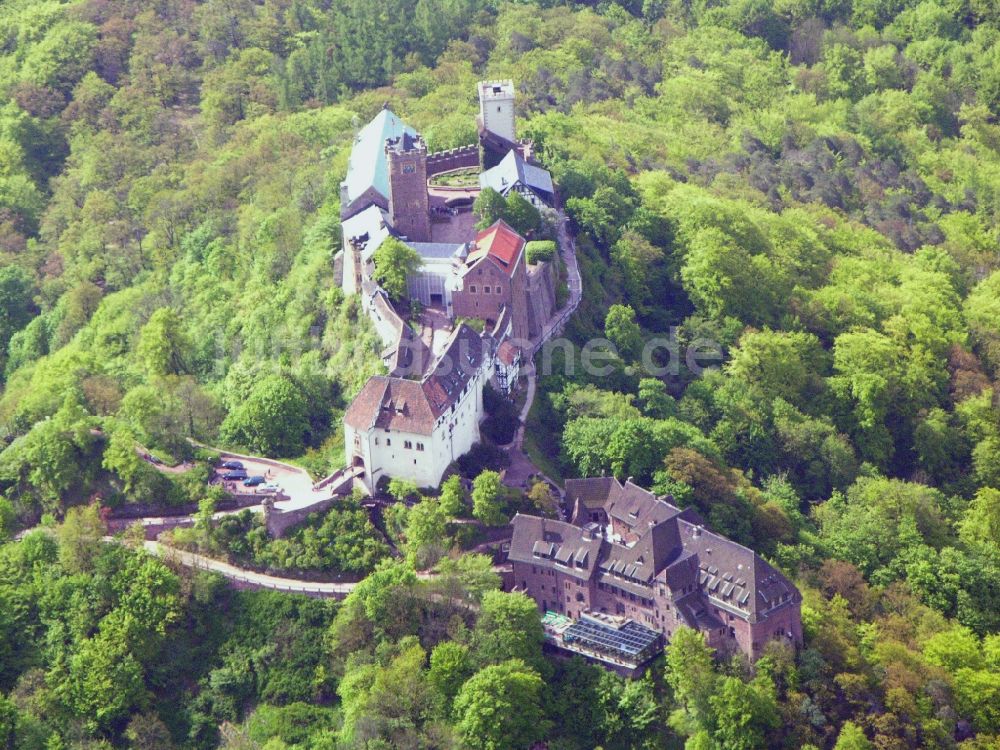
812	185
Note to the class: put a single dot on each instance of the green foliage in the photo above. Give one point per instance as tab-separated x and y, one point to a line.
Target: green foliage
16	305
80	538
449	668
162	348
744	712
293	724
508	628
500	707
622	330
811	187
394	262
852	737
540	251
486	500
342	540
403	489
452	500
489	206
515	209
272	420
426	534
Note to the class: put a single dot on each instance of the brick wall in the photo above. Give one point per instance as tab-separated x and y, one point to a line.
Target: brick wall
463	157
408	201
551	588
554	590
477	304
278	522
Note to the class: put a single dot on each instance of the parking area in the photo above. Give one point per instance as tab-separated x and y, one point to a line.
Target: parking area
268	479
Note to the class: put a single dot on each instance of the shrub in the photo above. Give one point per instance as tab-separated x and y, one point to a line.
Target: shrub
540	251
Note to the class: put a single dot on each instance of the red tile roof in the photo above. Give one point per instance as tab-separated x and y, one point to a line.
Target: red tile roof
392	404
499	242
507	353
395	403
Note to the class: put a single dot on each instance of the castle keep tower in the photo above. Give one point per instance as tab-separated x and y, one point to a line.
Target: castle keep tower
496	108
409	211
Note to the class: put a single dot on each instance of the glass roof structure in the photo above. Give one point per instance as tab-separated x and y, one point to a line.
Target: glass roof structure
631	641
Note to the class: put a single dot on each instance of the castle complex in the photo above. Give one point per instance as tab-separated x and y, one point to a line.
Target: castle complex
414	422
616	580
630	560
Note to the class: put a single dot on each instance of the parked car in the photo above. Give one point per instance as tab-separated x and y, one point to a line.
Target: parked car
269	487
253	481
234	476
232	464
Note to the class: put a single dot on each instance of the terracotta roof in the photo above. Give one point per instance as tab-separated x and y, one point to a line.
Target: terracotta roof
507	353
414	406
500	243
393	404
364	408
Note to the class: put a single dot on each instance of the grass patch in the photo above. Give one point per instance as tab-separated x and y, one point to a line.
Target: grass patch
463	178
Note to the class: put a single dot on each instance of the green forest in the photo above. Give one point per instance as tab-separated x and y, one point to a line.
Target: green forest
811	185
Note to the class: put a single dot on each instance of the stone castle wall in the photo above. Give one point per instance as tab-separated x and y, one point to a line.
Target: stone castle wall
463	157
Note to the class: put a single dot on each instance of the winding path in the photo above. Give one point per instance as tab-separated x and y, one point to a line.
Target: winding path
254	580
521	466
250	578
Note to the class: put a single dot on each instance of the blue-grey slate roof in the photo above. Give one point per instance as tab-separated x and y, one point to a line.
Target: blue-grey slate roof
372	223
513	169
367	164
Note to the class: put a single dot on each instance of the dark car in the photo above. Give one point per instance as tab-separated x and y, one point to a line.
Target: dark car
253	481
234	476
232	464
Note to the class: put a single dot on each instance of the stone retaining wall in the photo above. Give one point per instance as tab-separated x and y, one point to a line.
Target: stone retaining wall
278	521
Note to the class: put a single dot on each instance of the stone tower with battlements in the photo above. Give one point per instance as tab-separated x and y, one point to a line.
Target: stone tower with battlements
409	210
496	108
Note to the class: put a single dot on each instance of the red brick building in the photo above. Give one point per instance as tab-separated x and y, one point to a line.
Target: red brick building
494	277
628	553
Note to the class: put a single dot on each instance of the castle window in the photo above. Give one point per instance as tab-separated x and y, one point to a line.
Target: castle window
472	288
420	446
388	441
376	441
486	290
498	291
407	444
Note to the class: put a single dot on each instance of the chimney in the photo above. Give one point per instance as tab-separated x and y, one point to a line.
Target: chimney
697	532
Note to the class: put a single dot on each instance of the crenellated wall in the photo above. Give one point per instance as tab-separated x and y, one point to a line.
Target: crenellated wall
463	157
